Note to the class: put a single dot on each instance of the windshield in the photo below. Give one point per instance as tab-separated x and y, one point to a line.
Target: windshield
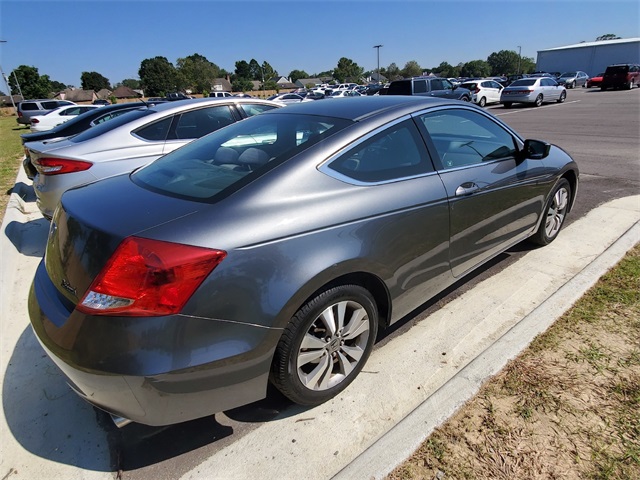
110	125
235	155
568	74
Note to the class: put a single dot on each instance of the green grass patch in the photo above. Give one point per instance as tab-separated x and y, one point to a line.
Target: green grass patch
11	154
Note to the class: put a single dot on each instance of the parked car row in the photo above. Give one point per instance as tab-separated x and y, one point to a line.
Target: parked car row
127	141
182	288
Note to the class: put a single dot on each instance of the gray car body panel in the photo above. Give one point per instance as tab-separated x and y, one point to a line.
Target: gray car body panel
288	234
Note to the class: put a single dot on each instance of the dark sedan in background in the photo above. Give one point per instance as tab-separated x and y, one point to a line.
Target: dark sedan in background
275	248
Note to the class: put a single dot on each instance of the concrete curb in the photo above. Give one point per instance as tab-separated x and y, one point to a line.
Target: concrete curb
400	442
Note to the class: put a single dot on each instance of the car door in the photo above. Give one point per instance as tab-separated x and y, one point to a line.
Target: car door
495	198
442	88
495	89
551	89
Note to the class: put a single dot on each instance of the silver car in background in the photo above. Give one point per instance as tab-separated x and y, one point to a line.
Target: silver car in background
535	90
573	79
128	142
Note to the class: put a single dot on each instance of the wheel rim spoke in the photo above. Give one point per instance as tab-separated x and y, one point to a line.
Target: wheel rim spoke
329	320
311	342
357	325
318	374
346	367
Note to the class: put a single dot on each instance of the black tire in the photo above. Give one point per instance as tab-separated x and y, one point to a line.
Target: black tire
330	361
482	102
563	97
465	99
538	101
603	88
554	214
507	104
573	85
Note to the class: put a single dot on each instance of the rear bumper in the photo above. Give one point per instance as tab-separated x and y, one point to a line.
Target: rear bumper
155	371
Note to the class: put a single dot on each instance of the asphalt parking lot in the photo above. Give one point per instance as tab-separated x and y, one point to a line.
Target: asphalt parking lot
46	431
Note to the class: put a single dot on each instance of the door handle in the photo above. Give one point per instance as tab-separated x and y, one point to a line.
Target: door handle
466	189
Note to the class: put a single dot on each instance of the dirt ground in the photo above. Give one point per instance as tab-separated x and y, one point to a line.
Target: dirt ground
567	408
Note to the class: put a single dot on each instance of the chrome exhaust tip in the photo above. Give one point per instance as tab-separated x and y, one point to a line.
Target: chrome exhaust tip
120	422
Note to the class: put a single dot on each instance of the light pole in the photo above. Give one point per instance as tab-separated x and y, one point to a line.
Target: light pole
377	47
519	58
7	83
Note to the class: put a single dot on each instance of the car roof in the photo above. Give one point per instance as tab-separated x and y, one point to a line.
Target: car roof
358	108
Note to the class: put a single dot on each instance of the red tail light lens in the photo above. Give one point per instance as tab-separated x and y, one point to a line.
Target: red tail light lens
58	166
145	278
477	90
34	120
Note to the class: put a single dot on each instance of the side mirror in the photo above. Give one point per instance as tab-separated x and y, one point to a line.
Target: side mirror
536	149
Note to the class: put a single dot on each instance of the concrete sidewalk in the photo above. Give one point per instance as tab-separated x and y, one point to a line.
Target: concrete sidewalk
409	386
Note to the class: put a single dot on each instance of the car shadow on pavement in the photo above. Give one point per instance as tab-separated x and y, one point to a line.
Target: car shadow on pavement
24	191
29	238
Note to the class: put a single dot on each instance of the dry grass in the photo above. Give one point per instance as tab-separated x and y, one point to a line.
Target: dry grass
567	408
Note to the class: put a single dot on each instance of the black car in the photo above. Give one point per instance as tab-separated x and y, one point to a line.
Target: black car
75	126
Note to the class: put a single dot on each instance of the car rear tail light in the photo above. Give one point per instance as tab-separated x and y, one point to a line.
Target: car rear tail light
34	120
57	166
477	90
145	278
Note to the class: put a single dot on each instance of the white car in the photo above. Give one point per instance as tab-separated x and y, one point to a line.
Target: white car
483	91
129	141
344	94
40	123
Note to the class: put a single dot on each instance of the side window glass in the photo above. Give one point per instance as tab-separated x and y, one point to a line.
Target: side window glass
198	123
157	131
51	105
447	85
463	137
436	84
392	154
251	109
419	86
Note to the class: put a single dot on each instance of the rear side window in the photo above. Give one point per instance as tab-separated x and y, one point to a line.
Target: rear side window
617	70
419	86
28	106
251	109
198	123
155	132
51	105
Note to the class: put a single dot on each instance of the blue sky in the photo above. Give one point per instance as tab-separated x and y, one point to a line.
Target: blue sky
63	39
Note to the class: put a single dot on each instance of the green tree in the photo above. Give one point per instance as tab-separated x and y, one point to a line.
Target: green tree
392	72
57	86
347	69
197	72
32	84
243	70
475	68
269	71
94	81
241	85
132	83
504	62
607	36
411	69
255	70
295	75
446	70
158	76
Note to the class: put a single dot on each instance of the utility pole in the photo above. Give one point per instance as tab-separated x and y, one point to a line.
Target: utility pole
519	58
7	83
377	47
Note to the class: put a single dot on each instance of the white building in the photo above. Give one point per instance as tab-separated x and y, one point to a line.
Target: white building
590	57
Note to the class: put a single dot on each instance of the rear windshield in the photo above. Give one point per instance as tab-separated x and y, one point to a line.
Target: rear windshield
525	82
233	156
618	69
468	86
110	125
568	74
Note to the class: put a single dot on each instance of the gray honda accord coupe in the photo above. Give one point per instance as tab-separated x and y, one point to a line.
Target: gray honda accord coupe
275	249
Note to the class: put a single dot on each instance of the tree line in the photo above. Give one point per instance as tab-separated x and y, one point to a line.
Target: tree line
158	76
